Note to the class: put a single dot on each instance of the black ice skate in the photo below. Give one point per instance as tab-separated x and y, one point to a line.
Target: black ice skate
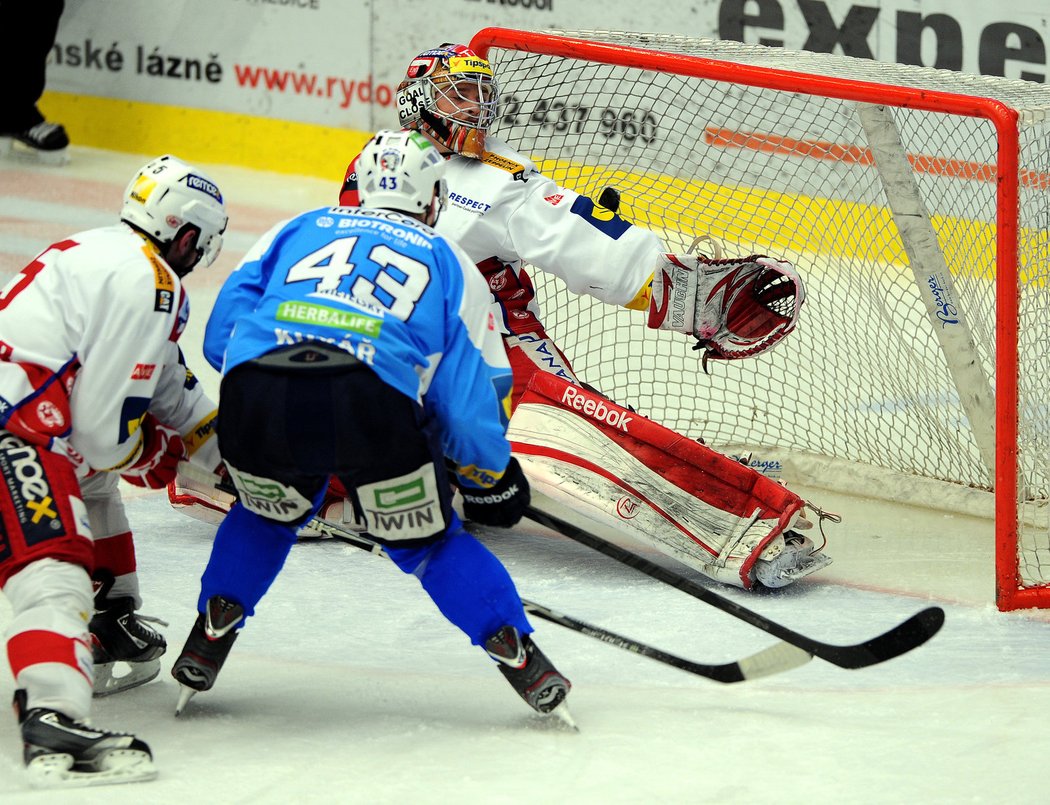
46	142
529	672
120	635
207	647
63	752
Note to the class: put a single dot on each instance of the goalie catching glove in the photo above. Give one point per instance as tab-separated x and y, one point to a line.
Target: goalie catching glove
162	450
735	308
502	505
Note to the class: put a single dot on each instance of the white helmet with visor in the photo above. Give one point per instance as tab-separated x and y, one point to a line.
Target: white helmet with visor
166	195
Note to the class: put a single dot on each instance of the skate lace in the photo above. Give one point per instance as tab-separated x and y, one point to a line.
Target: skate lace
152	619
142	623
823	515
62	720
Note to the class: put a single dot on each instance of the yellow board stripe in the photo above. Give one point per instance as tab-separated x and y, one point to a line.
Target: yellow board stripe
200	135
795	224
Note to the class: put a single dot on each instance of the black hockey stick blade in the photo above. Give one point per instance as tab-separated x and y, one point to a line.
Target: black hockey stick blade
771	660
774	659
901	639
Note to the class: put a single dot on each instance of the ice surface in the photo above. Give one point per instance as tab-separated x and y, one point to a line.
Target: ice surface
349	687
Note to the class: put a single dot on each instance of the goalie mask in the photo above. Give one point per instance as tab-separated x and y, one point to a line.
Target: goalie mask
166	195
735	308
450	95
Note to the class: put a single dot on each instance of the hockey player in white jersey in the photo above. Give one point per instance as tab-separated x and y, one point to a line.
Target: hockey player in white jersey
92	387
359	343
506	215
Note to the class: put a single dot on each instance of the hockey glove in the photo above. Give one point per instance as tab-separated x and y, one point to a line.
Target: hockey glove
162	450
735	308
502	505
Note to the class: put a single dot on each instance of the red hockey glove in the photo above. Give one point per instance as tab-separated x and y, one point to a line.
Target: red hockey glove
162	450
502	505
735	308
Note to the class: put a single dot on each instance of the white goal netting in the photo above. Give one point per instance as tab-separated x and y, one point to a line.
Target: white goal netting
894	362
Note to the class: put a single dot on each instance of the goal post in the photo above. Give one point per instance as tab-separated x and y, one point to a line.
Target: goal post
915	203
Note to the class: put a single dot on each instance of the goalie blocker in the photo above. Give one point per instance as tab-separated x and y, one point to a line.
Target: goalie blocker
624	471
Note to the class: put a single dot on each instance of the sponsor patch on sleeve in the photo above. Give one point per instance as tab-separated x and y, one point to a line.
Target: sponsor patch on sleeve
164	285
515	169
602	219
201	432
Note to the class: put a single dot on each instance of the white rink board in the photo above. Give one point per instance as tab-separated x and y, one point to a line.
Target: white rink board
338	62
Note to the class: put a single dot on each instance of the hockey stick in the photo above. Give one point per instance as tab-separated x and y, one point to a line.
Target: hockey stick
779	657
902	638
771	660
774	659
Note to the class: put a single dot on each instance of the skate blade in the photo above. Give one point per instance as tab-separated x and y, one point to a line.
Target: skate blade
24	153
814	562
558	720
185	694
117	766
562	714
138	673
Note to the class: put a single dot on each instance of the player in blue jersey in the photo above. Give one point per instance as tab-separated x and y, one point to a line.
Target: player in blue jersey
357	343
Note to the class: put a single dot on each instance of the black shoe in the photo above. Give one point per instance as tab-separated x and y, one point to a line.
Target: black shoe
43	137
118	633
60	750
208	644
528	670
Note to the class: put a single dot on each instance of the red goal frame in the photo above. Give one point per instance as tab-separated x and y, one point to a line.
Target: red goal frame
1010	591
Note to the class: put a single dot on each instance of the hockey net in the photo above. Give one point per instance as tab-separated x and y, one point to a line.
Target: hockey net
915	204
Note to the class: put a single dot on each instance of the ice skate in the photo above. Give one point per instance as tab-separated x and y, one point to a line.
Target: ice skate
45	142
63	752
122	640
530	673
206	649
788	559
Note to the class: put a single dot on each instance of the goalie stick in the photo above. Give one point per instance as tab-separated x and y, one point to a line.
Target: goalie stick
902	638
773	659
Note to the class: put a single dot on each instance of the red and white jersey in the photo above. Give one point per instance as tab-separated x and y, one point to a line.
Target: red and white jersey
504	213
88	344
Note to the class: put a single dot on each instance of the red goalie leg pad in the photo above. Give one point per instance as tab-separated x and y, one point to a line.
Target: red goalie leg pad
37	646
749	509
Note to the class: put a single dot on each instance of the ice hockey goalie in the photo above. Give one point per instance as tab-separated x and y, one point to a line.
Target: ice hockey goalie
623	471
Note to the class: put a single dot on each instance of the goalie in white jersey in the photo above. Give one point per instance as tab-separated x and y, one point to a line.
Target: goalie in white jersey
506	215
92	387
